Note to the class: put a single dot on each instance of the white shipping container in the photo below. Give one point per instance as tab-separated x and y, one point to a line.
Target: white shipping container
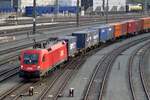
68	2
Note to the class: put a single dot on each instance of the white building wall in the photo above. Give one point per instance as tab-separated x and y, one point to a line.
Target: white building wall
68	2
25	3
97	3
64	2
111	3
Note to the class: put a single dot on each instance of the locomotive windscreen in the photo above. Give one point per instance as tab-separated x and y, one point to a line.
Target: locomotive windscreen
31	58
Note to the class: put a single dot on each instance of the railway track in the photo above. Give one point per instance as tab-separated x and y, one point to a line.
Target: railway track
136	78
59	92
144	82
98	81
66	24
61	78
2	52
24	89
30	44
56	86
15	89
14	49
8	73
65	18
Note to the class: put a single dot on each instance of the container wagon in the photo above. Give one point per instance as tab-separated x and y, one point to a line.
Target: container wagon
71	44
117	29
84	39
103	33
131	28
146	24
124	28
94	36
138	26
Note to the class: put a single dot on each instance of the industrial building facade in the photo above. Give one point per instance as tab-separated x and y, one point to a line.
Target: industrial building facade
23	3
113	5
6	3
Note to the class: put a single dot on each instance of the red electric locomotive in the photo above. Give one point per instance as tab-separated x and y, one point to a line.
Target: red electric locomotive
36	62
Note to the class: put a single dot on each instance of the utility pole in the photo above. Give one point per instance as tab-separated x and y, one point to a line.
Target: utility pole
145	6
34	16
103	7
57	7
107	8
77	15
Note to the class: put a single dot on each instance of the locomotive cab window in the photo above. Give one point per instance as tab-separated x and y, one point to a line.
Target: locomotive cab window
31	58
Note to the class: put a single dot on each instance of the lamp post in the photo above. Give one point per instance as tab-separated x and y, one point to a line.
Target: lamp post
107	8
34	16
77	15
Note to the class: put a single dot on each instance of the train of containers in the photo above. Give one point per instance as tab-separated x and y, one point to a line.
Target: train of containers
40	10
45	56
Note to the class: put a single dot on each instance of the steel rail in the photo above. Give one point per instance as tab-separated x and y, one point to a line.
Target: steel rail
67	76
144	82
8	74
106	63
64	25
131	85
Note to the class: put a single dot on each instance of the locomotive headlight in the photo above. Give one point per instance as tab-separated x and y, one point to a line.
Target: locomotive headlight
21	66
38	67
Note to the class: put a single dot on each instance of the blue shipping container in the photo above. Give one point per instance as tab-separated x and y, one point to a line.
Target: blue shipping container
84	39
111	30
50	9
104	33
102	30
39	10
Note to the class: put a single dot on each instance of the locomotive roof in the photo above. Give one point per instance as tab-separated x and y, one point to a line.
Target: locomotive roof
46	44
66	37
